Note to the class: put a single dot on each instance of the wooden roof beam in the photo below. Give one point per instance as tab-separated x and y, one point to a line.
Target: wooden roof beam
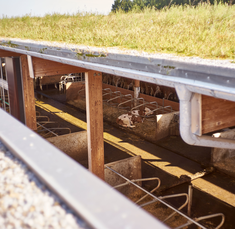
44	67
4	53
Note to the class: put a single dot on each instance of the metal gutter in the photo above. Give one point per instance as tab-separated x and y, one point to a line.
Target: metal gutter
132	60
101	207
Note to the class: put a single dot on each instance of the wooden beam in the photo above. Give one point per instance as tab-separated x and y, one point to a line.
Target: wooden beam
216	114
44	67
4	53
28	94
94	111
136	83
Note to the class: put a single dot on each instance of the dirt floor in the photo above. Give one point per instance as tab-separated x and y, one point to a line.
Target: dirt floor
168	159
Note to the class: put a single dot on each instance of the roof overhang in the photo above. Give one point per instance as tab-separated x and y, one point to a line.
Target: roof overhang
208	79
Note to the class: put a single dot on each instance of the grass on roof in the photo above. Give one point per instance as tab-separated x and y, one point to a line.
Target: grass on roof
207	31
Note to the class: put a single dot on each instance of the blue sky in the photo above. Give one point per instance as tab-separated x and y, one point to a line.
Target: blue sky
12	8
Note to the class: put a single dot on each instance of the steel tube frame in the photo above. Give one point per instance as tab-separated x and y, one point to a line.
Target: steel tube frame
157	198
206	217
160	199
46	129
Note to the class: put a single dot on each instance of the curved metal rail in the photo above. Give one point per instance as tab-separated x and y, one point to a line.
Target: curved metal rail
109	93
127	107
161	199
206	217
116	97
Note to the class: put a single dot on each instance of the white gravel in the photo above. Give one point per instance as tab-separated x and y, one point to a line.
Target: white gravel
26	203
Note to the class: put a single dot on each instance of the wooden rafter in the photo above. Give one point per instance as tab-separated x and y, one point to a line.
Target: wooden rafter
44	67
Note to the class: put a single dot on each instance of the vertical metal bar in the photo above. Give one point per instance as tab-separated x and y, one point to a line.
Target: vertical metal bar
136	91
190	195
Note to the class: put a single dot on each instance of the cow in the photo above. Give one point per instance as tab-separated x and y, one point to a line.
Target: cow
133	117
125	120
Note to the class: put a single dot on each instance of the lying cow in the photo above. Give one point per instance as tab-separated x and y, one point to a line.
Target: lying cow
132	117
125	120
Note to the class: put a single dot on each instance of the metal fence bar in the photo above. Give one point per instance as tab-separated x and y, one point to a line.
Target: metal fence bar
190	195
153	190
206	217
157	199
46	129
109	93
129	100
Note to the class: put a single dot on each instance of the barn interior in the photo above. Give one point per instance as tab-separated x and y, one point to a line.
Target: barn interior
127	132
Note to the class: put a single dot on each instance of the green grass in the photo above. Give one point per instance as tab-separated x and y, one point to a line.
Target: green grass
207	31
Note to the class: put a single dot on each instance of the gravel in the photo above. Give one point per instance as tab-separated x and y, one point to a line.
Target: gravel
26	203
